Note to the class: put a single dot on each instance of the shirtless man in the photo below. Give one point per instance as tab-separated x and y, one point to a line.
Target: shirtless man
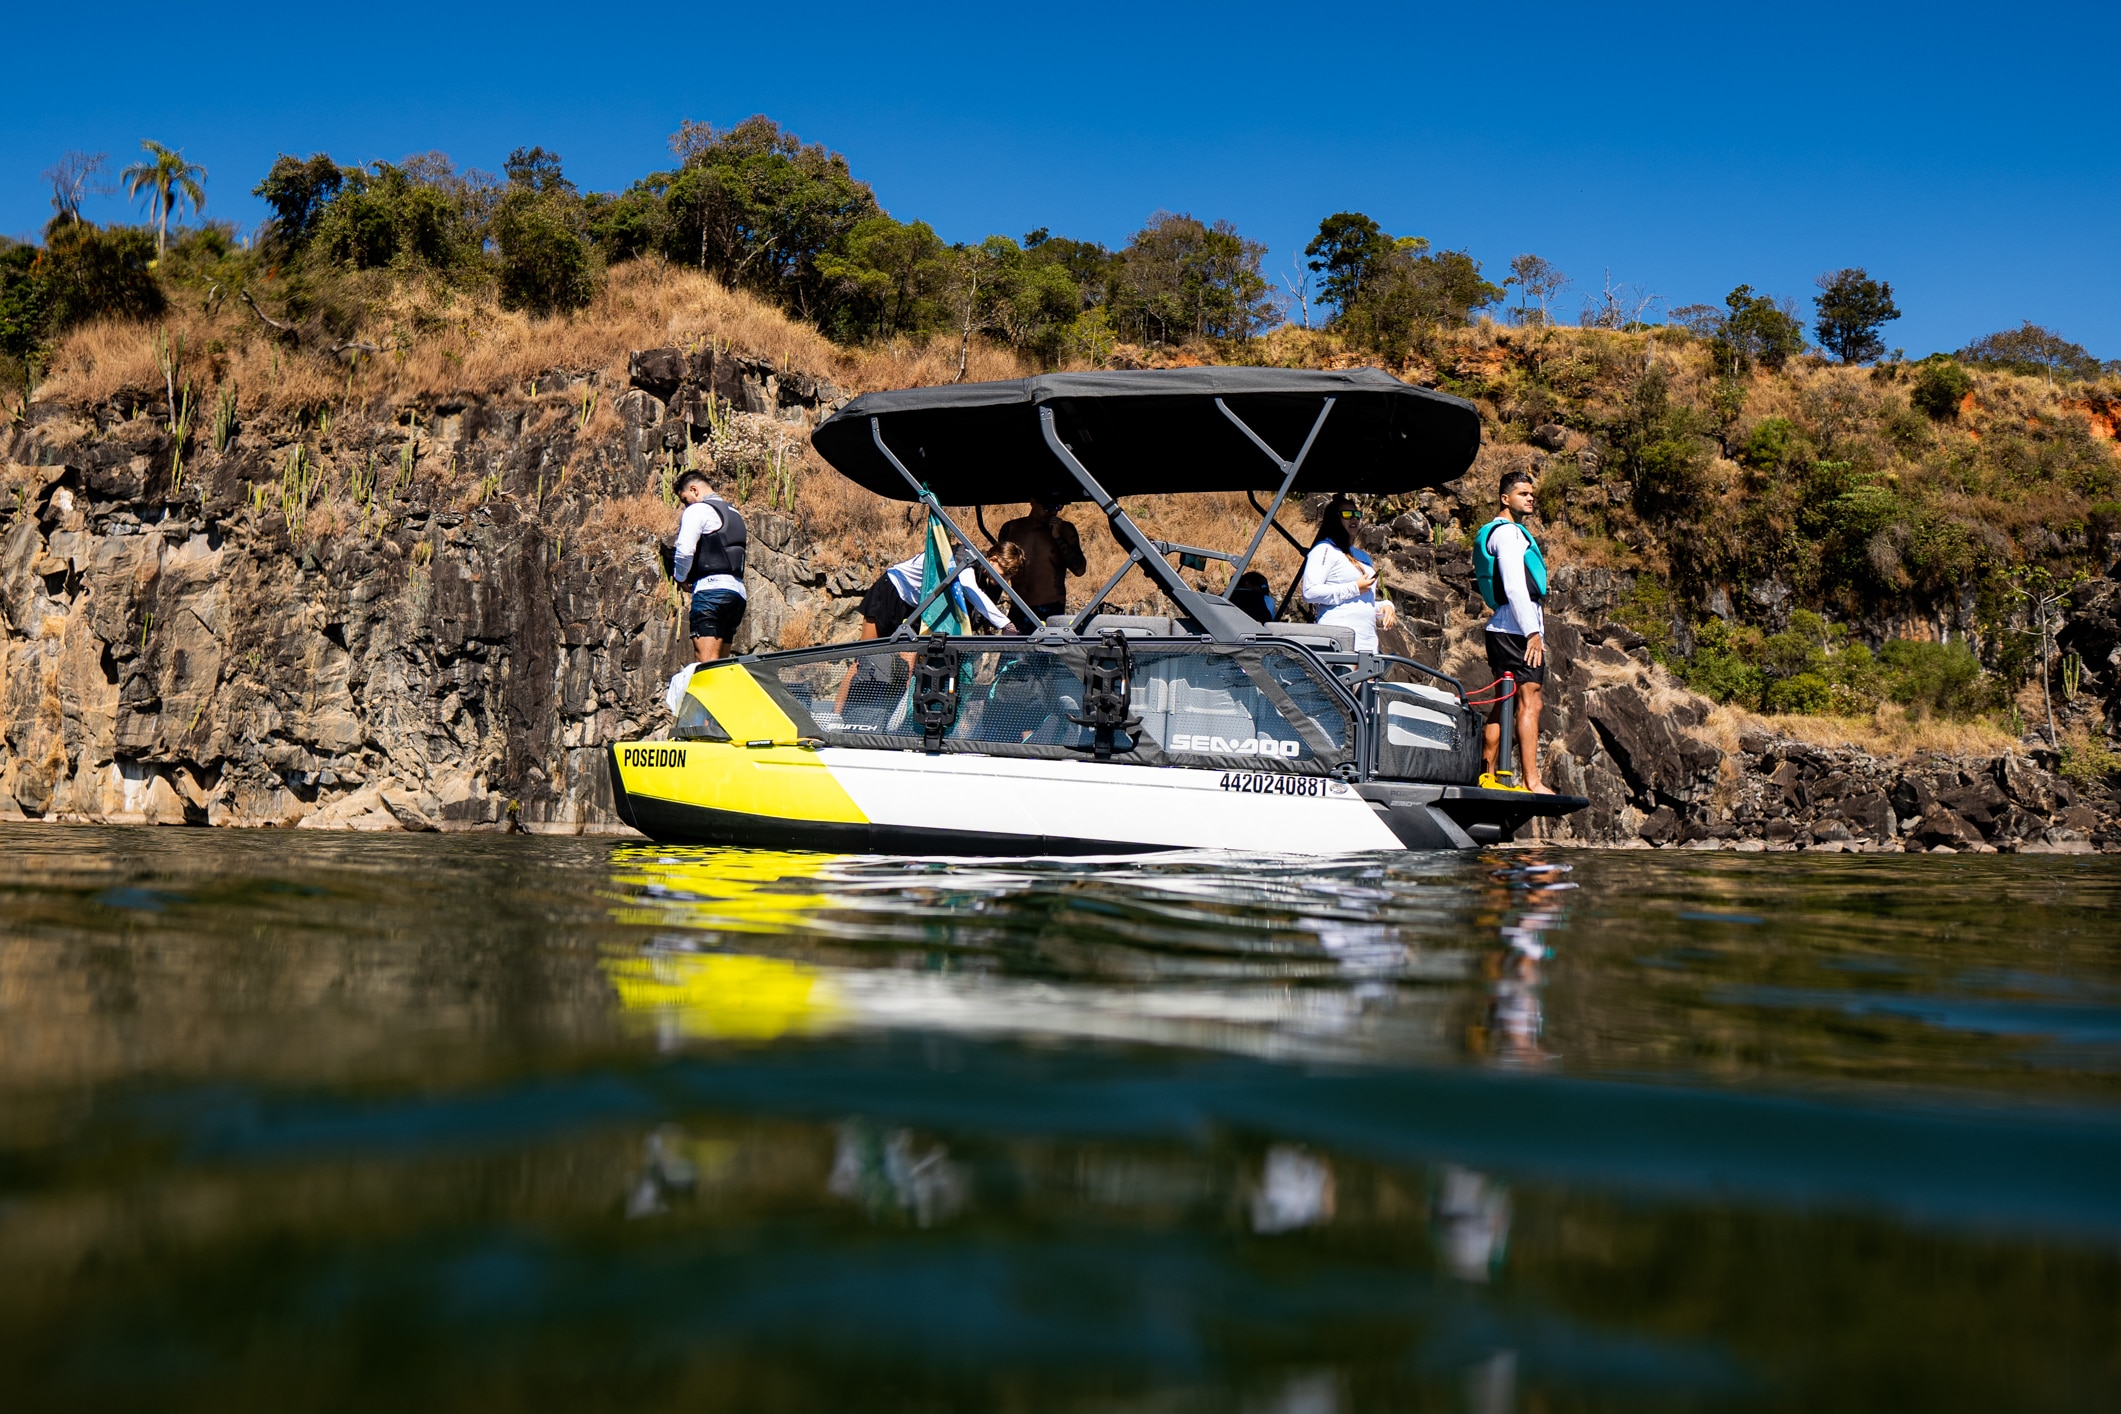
1052	552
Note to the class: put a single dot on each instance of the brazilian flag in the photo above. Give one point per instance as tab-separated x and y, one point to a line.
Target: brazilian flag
946	610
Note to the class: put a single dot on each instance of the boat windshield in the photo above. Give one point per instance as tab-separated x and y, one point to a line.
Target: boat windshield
1261	707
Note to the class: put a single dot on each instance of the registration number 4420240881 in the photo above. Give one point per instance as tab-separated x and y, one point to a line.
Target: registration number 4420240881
1264	783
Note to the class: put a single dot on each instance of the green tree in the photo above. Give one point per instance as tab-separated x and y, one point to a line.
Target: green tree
85	272
298	191
1754	329
22	306
167	180
548	263
1181	278
628	224
758	207
1410	290
1347	251
885	277
536	170
1852	309
388	215
2032	349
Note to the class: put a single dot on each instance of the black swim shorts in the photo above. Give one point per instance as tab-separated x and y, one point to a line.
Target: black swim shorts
716	613
883	607
1506	655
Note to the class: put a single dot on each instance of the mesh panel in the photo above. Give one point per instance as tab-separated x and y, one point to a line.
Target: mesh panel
1223	704
1194	703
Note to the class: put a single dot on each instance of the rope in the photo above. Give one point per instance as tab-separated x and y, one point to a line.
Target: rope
1472	700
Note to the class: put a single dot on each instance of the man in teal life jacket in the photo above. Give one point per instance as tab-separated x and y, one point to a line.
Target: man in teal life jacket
1512	576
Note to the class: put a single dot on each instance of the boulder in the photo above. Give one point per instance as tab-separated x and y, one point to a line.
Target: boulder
656	371
1976	799
2026	783
638	407
414	810
1868	814
1913	796
1941	827
1549	436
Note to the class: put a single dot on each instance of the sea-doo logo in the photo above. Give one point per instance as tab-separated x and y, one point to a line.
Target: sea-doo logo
654	755
1236	746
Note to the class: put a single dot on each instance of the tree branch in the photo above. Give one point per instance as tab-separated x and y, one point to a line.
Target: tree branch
271	323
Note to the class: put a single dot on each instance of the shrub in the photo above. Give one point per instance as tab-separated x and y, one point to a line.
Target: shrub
388	218
1723	675
1557	489
1806	695
1944	678
1770	442
93	273
547	263
21	300
1940	389
2087	759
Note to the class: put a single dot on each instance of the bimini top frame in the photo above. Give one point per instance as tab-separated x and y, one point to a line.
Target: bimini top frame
1156	431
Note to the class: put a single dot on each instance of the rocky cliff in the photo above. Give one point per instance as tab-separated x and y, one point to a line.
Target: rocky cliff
434	614
421	616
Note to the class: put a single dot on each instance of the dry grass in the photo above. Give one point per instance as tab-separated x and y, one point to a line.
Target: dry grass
624	526
901	363
1890	732
440	342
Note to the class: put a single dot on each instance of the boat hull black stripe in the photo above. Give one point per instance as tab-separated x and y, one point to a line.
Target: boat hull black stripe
671	822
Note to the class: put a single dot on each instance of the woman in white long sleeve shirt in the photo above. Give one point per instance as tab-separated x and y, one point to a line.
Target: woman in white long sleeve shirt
1340	590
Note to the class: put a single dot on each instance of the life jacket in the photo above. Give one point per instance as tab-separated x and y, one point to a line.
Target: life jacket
720	551
1485	575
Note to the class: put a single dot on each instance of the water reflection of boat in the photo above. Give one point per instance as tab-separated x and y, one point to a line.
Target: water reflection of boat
698	978
1099	732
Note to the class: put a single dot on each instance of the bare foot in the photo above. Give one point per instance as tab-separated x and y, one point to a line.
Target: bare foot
1539	788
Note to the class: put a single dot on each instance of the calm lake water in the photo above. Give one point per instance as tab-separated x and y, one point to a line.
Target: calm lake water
408	1123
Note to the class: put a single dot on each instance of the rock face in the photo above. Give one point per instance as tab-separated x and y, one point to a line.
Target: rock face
436	616
1620	733
453	653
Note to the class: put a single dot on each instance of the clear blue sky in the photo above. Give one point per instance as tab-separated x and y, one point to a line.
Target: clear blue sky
1968	155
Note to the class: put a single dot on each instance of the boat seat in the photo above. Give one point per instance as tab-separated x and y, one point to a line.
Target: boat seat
1327	638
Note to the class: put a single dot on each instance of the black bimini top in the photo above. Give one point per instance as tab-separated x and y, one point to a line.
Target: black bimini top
1154	431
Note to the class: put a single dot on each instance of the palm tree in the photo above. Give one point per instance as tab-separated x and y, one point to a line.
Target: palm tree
167	179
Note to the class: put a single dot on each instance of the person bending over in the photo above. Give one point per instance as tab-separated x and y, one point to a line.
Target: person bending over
1512	577
877	679
710	559
1052	551
890	601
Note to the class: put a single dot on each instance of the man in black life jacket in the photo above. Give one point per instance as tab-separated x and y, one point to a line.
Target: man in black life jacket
710	562
1513	577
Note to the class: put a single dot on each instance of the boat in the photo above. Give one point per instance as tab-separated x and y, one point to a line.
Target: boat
1098	732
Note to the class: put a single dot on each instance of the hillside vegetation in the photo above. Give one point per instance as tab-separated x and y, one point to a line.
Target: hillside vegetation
1824	531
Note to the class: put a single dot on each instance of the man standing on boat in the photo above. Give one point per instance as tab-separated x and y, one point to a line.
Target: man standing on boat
710	560
1512	576
1052	552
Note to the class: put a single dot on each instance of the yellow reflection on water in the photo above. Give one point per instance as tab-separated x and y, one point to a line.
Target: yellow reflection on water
728	996
722	996
734	890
